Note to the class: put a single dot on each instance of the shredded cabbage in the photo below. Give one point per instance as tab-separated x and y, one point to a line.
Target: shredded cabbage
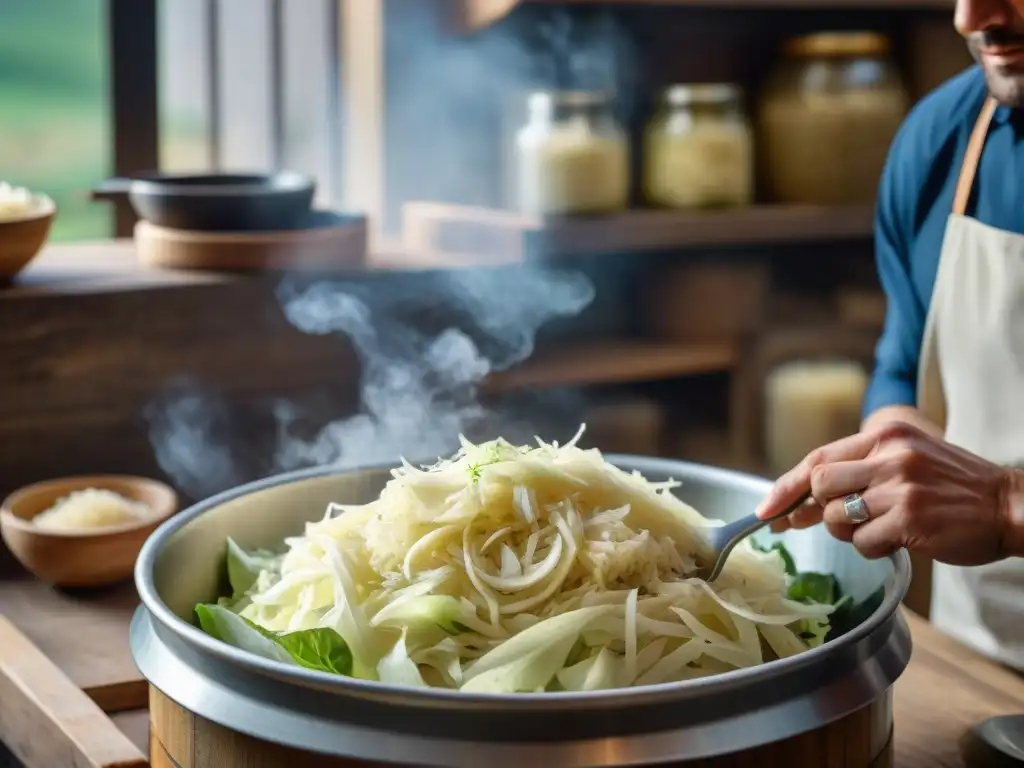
525	569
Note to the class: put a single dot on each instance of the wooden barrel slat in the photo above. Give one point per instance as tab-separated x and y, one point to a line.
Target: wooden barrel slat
806	749
170	725
158	757
857	744
180	739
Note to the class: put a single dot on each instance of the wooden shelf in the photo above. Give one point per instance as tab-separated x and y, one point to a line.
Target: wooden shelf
440	228
476	14
615	362
652	230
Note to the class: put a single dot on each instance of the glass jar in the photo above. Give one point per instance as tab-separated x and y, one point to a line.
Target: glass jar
810	403
572	155
827	117
699	149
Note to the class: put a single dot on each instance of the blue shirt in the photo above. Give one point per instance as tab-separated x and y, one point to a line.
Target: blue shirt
916	197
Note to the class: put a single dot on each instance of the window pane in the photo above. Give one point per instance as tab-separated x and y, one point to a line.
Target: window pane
245	108
237	88
183	49
308	71
54	107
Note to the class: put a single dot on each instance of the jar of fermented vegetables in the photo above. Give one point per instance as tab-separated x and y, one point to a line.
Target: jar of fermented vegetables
828	114
572	156
699	149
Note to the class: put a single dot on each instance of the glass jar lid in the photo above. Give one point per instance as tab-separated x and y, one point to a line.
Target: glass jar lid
701	94
549	102
838	45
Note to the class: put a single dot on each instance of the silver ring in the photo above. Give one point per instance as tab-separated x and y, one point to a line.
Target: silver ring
856	509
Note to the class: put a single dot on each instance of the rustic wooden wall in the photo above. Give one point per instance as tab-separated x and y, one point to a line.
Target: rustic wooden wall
78	371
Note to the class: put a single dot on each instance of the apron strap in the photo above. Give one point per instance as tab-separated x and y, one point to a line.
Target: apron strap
972	157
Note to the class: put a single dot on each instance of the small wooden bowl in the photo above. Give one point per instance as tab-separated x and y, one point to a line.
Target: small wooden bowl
23	238
82	558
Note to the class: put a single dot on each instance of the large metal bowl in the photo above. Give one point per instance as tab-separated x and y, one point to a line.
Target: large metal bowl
182	564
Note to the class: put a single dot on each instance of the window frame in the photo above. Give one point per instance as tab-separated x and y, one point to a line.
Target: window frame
135	124
357	99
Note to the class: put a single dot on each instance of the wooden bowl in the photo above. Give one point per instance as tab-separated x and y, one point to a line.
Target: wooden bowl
23	238
82	558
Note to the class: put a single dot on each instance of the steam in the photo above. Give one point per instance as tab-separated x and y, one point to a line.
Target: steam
426	343
196	440
590	53
419	390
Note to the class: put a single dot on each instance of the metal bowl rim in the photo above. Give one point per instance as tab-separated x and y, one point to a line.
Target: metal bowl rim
715	684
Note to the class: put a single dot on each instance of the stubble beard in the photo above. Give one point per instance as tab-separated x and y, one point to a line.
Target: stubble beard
1006	85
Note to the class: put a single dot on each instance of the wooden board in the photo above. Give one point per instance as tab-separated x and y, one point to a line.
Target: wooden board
134	725
84	634
946	690
46	721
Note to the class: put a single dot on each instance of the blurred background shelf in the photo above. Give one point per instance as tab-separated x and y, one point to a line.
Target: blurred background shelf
615	362
503	236
475	14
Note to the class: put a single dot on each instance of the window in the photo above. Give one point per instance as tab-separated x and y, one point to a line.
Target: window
250	85
241	85
54	107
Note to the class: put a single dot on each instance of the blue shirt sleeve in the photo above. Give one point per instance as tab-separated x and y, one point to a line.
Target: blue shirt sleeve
894	381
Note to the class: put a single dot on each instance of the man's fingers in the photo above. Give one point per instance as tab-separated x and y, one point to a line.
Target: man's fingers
878	538
840	478
806	515
877	501
841	531
797	481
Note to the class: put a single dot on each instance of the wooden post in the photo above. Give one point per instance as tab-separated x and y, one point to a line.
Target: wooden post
362	94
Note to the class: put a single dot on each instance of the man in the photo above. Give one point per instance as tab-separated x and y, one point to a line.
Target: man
931	469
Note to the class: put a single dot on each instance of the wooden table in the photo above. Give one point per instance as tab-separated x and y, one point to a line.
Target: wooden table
946	690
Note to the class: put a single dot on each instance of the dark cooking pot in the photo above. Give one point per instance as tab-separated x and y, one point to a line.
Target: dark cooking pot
215	202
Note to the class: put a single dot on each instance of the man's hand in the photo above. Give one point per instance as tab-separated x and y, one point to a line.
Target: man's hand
921	492
905	413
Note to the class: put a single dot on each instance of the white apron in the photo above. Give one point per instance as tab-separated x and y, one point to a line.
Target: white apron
971	383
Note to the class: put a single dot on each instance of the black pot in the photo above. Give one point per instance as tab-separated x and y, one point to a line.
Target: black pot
215	202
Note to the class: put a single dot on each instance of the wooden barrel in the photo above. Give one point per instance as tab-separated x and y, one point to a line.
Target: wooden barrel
180	739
